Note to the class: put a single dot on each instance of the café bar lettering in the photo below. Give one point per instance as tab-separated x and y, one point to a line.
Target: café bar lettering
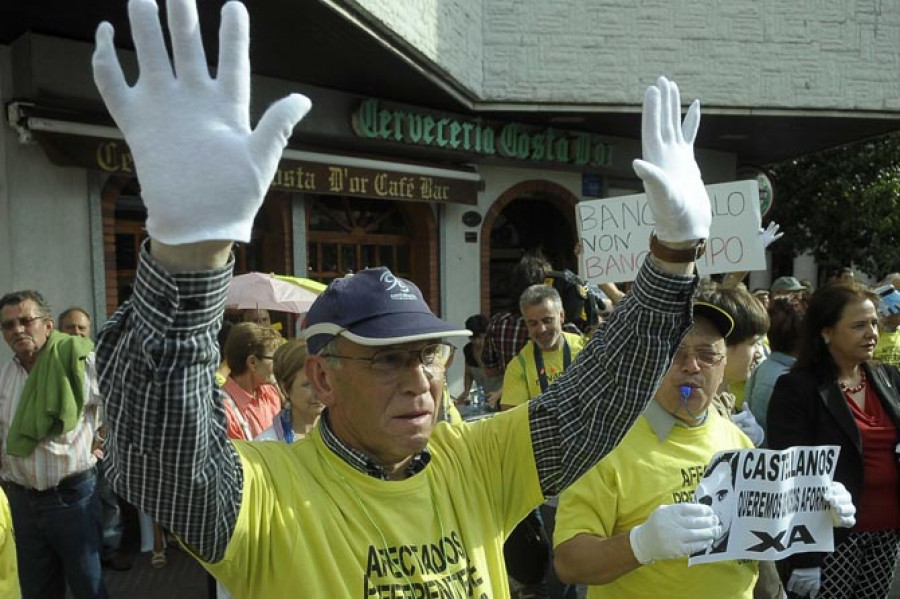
114	157
513	140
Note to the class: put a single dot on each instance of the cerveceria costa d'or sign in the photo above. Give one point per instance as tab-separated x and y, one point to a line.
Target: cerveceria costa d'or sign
512	140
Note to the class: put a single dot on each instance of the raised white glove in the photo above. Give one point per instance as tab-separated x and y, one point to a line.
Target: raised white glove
840	505
805	582
675	191
746	421
770	234
203	171
673	531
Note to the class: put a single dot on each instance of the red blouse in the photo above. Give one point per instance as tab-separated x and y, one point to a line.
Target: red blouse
879	507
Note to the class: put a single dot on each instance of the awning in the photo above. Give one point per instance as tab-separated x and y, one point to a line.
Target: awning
101	147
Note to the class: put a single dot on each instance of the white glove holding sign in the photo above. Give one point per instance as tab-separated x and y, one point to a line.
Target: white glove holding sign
203	171
675	190
674	531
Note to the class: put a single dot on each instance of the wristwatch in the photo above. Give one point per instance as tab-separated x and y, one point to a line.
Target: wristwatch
668	254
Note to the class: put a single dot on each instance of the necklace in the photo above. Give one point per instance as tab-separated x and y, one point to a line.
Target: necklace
859	387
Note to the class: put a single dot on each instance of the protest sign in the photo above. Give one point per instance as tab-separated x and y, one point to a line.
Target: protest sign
771	504
615	234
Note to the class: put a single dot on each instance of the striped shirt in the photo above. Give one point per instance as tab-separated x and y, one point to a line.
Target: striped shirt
54	458
167	447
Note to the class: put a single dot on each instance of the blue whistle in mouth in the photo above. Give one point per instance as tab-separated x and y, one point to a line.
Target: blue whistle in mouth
685	391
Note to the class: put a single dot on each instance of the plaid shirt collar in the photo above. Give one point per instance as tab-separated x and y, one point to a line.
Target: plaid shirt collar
360	460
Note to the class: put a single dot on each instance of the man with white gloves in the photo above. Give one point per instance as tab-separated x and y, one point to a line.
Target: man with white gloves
378	499
627	526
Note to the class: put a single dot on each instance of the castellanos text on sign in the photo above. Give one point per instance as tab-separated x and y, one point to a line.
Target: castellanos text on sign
615	233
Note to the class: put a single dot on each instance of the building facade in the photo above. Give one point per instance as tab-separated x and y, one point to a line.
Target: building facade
509	113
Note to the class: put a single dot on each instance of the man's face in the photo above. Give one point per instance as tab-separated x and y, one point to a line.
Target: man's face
718	493
76	323
544	323
700	365
24	329
791	295
389	415
263	367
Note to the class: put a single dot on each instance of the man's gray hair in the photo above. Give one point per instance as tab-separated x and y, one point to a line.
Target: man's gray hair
329	350
17	297
537	295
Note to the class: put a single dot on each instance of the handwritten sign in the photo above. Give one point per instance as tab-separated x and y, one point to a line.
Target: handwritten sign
771	504
615	234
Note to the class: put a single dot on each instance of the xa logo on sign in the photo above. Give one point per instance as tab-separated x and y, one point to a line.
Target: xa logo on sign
798	534
390	281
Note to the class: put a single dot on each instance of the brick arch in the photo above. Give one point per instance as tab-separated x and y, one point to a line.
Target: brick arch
557	195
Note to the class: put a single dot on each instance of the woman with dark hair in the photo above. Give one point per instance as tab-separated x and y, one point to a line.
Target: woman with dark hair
835	395
785	328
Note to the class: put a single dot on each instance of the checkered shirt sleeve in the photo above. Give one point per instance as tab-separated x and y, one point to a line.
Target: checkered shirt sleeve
588	410
167	449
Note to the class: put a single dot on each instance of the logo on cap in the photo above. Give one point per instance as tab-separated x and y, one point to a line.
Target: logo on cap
392	282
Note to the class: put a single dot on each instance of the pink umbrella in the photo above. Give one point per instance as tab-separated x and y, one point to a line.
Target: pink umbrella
265	291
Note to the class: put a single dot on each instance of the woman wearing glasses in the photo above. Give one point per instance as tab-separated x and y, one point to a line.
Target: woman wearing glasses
835	395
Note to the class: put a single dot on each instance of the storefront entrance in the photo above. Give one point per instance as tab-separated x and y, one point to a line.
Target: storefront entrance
530	216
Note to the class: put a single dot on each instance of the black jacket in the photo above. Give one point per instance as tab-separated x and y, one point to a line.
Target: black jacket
808	410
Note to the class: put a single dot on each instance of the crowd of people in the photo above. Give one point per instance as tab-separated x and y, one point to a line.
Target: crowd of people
336	464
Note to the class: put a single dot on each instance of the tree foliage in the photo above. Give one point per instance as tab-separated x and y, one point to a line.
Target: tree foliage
842	205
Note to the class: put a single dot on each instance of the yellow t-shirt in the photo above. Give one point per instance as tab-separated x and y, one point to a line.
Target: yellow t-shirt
888	348
9	573
311	525
638	476
521	382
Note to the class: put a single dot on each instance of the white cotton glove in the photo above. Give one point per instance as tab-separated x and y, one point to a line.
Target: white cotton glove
674	531
203	171
840	506
805	582
770	234
671	178
746	421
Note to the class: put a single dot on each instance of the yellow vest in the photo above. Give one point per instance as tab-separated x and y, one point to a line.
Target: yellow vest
521	382
311	525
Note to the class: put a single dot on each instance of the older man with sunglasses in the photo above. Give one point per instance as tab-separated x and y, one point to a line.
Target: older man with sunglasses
378	501
48	421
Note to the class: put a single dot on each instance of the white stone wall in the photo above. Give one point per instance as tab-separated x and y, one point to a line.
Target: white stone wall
45	234
447	32
822	54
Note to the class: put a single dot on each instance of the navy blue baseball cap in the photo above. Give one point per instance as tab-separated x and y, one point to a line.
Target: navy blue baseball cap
373	307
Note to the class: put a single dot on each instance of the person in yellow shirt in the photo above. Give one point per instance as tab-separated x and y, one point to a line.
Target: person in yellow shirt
627	526
549	350
888	348
379	499
9	572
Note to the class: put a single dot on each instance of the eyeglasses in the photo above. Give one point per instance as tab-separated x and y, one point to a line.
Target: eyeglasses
266	358
392	362
23	321
706	358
